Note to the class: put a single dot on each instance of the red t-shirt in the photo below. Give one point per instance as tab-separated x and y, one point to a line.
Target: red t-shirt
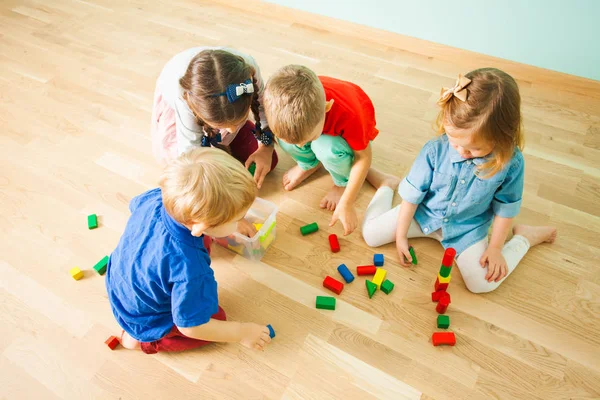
352	115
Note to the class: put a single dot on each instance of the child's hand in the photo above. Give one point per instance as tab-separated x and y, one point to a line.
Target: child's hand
402	248
246	228
255	336
262	157
496	264
347	215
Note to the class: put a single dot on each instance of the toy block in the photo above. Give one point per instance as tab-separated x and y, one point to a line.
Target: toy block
435	296
76	273
366	270
252	169
333	284
92	221
440	286
378	260
379	277
112	342
443	304
413	255
449	255
387	286
334	243
345	273
443	321
441	279
445	271
371	288
439	338
271	331
100	266
310	228
326	302
257	226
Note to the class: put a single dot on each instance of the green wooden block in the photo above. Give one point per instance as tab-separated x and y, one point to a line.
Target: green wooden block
92	221
445	271
413	255
387	286
371	288
326	302
252	168
100	266
310	228
443	321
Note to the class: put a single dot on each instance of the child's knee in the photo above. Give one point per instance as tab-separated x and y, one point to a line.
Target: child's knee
371	235
332	149
480	285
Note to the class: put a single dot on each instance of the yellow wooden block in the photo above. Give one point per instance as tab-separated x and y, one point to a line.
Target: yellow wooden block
441	279
379	277
257	226
76	273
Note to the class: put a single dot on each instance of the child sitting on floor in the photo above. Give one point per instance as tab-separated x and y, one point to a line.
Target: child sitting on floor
161	288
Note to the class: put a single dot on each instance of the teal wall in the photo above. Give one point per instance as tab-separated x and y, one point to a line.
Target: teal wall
561	35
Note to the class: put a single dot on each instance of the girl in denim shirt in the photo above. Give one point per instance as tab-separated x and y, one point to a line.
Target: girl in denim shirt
468	178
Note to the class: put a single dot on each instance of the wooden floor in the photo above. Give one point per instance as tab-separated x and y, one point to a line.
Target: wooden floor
76	85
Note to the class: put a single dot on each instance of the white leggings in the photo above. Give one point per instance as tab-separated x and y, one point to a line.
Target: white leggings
379	228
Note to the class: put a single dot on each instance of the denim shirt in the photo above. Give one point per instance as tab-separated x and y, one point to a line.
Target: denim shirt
450	196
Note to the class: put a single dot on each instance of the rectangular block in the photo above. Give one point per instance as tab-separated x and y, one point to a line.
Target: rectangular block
413	255
112	342
449	255
440	338
379	277
76	273
100	266
271	331
333	284
310	228
366	270
334	244
435	296
440	286
445	271
345	272
326	302
378	260
441	279
443	321
92	221
387	286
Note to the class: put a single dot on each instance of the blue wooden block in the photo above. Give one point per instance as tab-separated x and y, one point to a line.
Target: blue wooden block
345	272
378	260
271	331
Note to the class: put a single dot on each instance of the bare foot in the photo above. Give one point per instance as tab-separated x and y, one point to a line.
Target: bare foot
331	199
130	343
296	176
379	179
536	234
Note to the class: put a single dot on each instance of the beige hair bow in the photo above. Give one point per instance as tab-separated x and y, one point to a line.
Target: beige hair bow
459	90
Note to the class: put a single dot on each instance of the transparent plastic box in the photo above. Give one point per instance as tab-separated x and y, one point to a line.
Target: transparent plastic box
262	214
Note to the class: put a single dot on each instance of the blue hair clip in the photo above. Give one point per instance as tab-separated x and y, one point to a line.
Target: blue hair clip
235	91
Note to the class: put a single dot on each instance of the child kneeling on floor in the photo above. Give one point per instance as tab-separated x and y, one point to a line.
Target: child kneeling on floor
461	182
160	285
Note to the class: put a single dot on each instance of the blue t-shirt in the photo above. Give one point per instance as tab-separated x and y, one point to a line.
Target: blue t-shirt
159	274
451	196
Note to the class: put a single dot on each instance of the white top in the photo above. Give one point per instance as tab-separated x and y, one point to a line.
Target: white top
189	132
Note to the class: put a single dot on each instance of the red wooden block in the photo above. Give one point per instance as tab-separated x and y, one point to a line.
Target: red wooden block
443	304
435	296
440	286
366	270
333	285
333	243
449	255
439	338
112	342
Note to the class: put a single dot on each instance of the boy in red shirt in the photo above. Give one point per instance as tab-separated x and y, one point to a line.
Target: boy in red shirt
323	121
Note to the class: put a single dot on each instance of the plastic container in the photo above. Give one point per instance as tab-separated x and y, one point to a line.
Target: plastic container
262	214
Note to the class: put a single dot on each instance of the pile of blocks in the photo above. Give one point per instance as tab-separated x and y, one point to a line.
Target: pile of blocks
442	297
379	281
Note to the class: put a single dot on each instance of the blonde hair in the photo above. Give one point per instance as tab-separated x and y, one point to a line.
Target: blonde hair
492	110
294	103
206	185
